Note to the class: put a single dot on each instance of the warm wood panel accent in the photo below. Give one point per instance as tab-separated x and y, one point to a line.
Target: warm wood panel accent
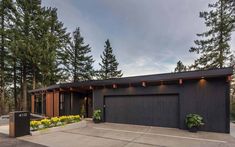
32	103
49	104
56	103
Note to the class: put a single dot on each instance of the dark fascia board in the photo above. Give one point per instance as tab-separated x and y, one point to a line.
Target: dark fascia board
222	72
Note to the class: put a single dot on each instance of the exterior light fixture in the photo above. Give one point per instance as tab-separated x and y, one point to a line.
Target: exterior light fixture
180	81
90	87
229	78
114	86
144	84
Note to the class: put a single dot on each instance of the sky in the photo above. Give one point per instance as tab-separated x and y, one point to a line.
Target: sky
147	36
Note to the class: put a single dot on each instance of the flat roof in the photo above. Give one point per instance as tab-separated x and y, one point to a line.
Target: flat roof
220	72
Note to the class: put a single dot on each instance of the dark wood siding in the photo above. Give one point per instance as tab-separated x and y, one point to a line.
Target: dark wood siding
206	97
157	110
65	103
77	103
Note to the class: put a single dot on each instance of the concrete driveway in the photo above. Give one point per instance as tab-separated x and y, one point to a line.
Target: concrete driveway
108	134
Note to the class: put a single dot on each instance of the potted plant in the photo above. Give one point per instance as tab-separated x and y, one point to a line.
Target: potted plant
194	122
97	116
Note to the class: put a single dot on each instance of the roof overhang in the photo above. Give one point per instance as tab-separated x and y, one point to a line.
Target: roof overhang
212	73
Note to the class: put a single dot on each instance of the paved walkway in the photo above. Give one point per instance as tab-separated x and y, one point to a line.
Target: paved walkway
232	129
5	141
108	134
3	121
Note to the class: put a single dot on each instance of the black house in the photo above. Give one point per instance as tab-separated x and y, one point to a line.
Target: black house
157	100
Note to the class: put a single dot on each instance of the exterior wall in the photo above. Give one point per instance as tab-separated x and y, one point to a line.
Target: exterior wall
32	103
207	97
56	103
72	103
49	104
210	98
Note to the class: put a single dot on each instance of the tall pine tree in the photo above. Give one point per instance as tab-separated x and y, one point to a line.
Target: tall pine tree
109	64
32	49
54	41
214	48
180	67
5	18
80	62
28	11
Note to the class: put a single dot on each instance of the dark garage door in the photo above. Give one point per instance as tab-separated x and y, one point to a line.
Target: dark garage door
155	110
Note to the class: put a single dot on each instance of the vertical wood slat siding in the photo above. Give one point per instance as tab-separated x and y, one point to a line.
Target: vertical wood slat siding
207	97
56	103
32	103
49	104
156	110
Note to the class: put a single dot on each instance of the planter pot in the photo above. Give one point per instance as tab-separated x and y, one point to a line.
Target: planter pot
96	121
193	129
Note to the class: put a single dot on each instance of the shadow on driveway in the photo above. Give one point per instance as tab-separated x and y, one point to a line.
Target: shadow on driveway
6	141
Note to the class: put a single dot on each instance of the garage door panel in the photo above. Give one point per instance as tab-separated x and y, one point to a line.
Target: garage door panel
142	110
165	111
126	110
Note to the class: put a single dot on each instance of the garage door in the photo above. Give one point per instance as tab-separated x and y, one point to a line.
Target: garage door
155	110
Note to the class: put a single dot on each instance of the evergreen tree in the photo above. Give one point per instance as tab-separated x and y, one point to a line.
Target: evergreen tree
14	64
5	18
80	62
32	49
109	64
28	11
54	40
180	67
232	90
214	46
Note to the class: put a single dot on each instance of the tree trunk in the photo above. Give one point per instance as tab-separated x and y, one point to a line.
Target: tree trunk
2	84
34	77
15	80
221	50
24	88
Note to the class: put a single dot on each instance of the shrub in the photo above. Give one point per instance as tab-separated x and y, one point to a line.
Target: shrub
46	123
77	118
97	114
232	111
35	124
63	119
54	121
70	119
193	120
83	111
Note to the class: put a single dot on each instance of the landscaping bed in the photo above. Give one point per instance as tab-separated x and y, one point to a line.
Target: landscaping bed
71	126
53	123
